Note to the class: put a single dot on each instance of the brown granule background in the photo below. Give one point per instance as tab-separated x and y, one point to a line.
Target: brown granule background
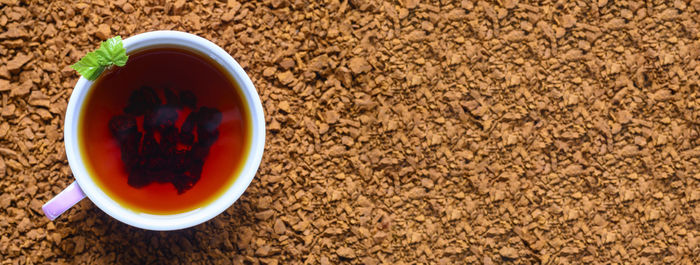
402	132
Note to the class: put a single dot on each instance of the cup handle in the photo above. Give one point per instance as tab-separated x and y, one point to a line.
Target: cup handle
63	201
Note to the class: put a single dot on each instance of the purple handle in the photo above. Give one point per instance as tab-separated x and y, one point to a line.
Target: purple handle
63	201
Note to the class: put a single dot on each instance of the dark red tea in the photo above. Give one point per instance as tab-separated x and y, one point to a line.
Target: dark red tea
166	133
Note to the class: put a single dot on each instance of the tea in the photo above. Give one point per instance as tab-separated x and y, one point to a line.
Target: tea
159	150
166	133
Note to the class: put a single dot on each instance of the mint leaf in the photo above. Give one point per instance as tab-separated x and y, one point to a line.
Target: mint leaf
111	52
89	66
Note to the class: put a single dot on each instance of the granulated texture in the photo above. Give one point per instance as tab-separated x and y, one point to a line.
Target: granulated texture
398	132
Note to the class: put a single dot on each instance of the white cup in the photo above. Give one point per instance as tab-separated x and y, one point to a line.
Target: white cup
85	185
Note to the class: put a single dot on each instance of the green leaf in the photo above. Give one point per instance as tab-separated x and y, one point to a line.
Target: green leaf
89	66
111	52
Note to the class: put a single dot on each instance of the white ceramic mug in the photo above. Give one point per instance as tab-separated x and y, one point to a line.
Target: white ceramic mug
84	184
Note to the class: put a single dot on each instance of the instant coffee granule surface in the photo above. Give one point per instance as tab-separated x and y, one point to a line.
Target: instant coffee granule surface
402	132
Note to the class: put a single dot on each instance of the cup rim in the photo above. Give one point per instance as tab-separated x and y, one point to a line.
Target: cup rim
194	217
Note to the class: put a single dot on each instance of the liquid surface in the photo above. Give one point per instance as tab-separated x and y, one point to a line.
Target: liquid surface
178	70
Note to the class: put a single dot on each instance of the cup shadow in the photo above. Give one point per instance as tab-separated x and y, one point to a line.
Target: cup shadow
92	236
